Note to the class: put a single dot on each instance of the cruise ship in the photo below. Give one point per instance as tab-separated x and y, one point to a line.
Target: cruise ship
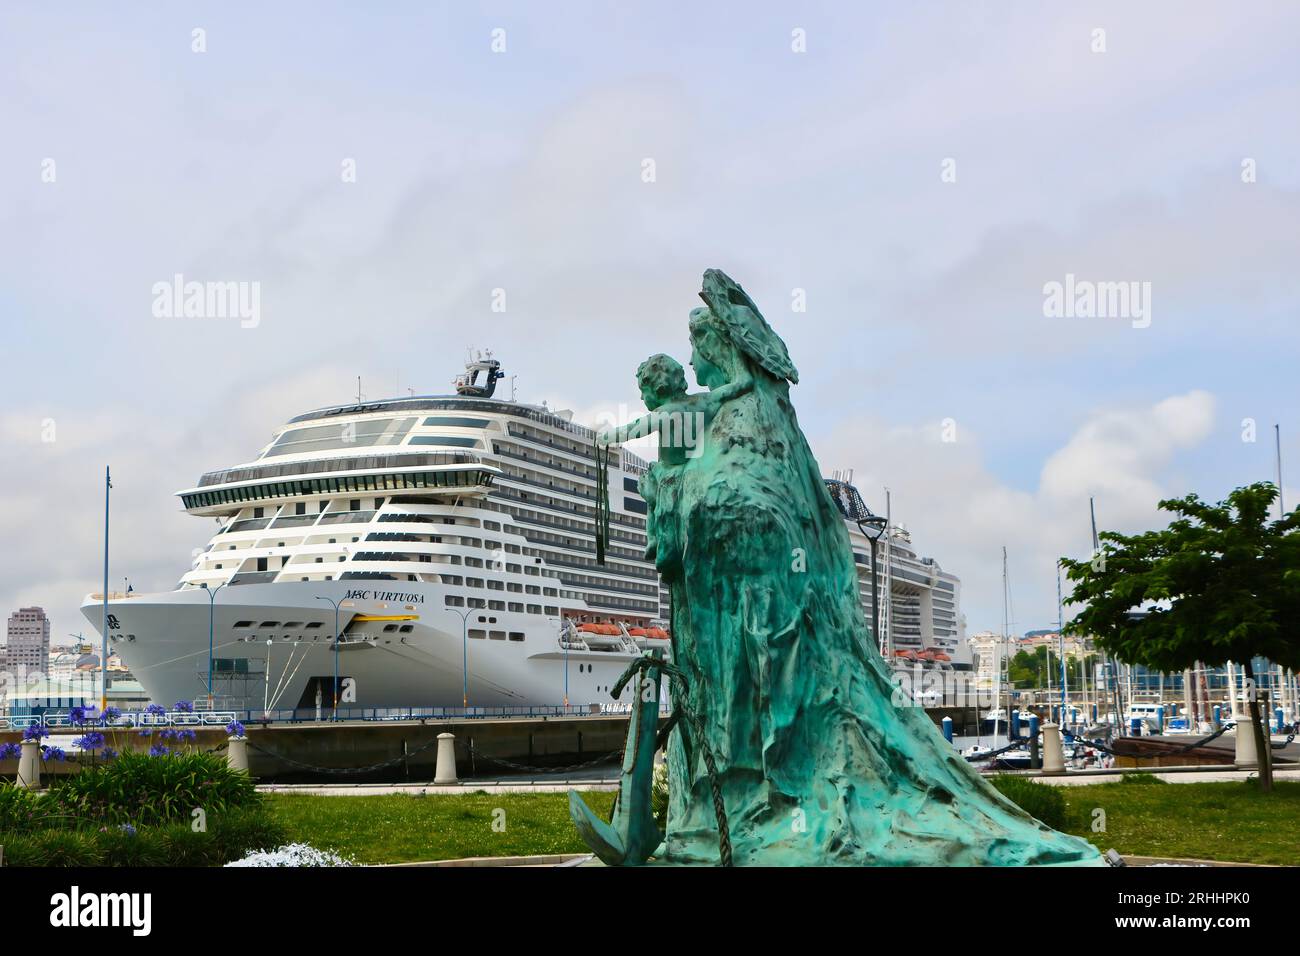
451	540
920	604
455	534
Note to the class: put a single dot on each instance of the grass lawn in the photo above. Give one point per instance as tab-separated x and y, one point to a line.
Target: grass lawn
404	829
1210	821
1214	821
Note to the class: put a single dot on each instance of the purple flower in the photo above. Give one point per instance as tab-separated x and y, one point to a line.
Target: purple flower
35	732
77	716
53	753
127	829
109	753
167	734
91	741
235	729
143	733
158	751
10	751
186	734
155	710
112	713
184	707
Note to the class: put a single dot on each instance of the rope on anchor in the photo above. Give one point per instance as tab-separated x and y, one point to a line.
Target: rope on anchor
682	709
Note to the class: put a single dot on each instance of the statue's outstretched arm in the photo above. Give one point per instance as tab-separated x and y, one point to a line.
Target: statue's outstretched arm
621	433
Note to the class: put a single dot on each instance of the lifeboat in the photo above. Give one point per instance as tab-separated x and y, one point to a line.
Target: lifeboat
608	630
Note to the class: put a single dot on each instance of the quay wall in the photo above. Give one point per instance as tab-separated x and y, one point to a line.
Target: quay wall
485	747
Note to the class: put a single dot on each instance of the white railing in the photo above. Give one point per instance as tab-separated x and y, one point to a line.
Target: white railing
211	718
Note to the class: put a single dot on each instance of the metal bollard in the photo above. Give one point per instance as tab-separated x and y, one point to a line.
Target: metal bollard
1246	755
237	753
29	765
1053	750
947	729
446	768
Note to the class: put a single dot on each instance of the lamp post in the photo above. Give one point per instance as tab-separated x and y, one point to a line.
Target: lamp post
878	524
103	663
212	597
464	652
335	604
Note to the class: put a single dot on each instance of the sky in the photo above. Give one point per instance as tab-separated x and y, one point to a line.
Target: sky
894	184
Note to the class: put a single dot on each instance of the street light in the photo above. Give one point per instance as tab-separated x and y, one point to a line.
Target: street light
464	652
877	523
212	598
335	604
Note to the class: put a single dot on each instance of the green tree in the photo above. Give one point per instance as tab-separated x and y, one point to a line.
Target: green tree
1221	583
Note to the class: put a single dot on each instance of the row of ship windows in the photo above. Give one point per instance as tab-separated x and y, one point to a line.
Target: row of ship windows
525	520
554	504
460	478
369	433
386	432
455	600
526	432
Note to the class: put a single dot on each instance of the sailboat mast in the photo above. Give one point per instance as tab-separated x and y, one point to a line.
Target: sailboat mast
1112	690
997	696
1060	643
1277	442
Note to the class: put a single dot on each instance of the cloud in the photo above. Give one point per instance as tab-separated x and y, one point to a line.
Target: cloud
53	518
962	514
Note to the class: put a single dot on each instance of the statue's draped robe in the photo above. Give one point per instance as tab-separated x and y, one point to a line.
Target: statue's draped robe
820	758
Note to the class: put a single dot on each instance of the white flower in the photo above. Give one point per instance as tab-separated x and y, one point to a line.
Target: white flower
295	854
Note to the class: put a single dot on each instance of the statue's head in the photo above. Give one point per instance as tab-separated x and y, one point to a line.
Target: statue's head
709	349
662	379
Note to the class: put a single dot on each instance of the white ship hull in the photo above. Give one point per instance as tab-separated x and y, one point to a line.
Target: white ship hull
163	640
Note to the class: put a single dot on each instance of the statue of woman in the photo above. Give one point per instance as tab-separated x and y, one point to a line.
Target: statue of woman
817	760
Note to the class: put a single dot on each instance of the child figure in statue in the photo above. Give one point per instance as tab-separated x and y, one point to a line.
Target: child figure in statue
681	420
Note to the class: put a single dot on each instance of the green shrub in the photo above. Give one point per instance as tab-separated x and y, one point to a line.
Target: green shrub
183	847
20	850
121	847
146	791
21	809
68	848
230	836
1041	801
237	833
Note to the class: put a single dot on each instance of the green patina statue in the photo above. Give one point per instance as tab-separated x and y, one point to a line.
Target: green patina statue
796	748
